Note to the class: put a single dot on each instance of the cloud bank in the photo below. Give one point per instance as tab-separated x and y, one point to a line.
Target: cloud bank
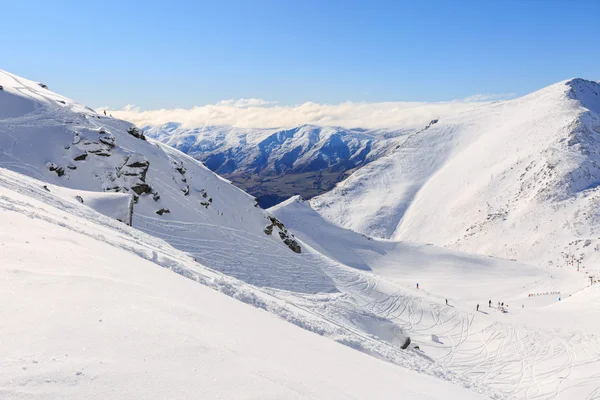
258	113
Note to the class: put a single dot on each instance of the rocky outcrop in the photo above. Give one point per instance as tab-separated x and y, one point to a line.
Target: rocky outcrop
60	171
135	132
284	235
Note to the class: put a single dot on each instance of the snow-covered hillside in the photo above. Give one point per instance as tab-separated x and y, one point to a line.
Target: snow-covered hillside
274	164
54	139
92	308
515	179
545	344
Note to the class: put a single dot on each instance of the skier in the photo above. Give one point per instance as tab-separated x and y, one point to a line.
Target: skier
490	304
446	301
477	307
105	113
502	304
417	285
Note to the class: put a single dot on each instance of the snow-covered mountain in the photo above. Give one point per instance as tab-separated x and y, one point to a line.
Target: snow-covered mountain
514	179
54	139
88	307
95	307
274	164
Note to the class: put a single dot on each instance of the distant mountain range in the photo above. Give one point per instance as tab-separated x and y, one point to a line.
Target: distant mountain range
275	164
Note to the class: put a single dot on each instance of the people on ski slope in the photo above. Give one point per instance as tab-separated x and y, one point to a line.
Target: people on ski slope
446	301
477	307
490	304
417	285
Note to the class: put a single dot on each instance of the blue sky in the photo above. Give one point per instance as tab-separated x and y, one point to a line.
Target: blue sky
164	54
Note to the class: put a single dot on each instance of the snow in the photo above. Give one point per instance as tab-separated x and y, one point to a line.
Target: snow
201	301
213	236
203	209
539	348
515	179
84	317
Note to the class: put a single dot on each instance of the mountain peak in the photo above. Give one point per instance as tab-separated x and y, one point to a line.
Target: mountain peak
586	92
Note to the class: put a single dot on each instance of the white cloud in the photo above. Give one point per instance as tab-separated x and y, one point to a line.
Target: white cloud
490	97
258	113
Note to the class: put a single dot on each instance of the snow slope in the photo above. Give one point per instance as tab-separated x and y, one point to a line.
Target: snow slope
539	347
54	139
514	179
92	309
213	225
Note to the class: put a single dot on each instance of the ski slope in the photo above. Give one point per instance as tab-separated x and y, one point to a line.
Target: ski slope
516	179
93	309
539	348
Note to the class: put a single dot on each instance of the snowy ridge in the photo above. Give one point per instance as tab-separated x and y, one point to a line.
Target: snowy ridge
54	139
524	172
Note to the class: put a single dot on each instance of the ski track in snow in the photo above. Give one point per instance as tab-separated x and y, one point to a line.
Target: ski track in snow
523	362
519	360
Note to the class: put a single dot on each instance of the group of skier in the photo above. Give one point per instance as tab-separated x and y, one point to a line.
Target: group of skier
501	306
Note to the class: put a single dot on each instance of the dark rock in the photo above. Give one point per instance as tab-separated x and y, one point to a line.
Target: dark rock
79	199
139	164
406	343
141	188
163	211
108	140
284	235
135	132
80	157
293	245
59	170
